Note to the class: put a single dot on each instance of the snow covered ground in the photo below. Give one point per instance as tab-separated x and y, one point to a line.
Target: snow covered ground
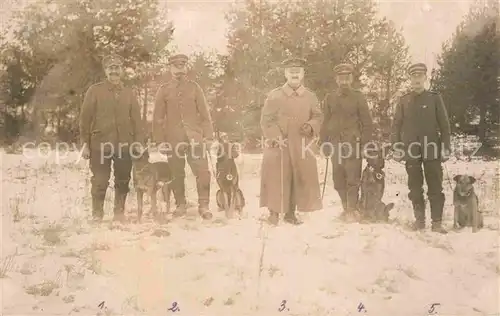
54	263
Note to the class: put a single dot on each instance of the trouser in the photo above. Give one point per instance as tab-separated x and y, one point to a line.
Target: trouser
197	160
433	171
346	180
100	166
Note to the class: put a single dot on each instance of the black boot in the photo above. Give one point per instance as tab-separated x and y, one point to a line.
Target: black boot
119	209
437	228
437	205
419	213
97	208
291	218
204	212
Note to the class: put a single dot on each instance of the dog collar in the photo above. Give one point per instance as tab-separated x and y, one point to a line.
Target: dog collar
378	175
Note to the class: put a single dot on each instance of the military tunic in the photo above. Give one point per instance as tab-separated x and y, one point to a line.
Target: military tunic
289	176
110	122
181	116
420	130
347	127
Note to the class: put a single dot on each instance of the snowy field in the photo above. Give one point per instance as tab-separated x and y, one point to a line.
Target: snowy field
54	263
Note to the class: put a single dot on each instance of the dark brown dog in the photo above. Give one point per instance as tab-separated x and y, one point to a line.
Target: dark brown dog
371	207
466	204
149	178
229	197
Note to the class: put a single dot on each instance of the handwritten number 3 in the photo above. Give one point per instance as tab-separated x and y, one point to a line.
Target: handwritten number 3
283	306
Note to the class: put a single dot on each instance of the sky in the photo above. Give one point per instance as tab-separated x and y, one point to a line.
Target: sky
200	25
425	24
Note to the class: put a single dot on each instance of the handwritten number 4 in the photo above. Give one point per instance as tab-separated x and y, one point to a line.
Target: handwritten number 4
101	305
361	307
283	306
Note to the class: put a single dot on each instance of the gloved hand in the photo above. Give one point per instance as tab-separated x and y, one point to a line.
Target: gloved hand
306	130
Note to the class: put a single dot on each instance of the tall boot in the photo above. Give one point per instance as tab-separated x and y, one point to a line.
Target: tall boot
179	191
352	204
437	205
343	199
119	209
97	207
419	213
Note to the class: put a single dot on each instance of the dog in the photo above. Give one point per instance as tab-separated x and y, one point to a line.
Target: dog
149	178
229	197
371	207
466	204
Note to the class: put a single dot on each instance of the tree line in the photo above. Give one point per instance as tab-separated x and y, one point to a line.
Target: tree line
52	53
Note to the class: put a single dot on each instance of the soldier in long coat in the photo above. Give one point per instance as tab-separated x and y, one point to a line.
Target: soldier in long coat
347	128
182	126
111	131
290	121
421	137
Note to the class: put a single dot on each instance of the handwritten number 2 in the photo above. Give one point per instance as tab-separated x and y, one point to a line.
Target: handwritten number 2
283	306
174	308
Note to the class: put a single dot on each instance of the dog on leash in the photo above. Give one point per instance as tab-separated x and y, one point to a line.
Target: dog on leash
229	197
466	204
149	178
371	207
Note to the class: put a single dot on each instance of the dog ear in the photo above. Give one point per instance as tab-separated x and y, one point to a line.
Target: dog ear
389	207
457	177
472	180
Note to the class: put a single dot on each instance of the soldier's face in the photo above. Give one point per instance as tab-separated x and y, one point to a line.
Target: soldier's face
178	69
418	81
294	75
113	72
344	80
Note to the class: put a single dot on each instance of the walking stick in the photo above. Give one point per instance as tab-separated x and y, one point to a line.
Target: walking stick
324	180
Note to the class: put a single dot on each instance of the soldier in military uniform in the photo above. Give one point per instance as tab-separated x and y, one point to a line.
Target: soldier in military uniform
110	131
290	120
182	125
347	127
421	136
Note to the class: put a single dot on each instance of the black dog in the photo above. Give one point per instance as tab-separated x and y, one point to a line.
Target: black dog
372	190
229	197
149	178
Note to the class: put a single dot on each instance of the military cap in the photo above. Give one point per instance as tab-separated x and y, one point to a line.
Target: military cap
112	59
343	69
293	62
179	58
417	68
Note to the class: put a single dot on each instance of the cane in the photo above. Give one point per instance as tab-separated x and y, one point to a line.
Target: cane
324	180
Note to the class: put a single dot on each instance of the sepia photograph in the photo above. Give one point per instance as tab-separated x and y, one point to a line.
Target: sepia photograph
250	157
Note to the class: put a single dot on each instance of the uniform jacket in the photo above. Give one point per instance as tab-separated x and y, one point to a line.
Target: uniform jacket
111	114
290	166
347	118
421	119
181	113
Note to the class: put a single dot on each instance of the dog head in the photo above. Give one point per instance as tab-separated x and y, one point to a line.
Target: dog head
374	171
227	150
142	172
464	184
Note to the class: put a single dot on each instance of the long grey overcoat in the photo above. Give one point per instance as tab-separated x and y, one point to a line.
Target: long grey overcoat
289	173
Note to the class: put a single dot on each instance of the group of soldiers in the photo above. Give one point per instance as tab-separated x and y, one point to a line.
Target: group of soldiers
291	117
